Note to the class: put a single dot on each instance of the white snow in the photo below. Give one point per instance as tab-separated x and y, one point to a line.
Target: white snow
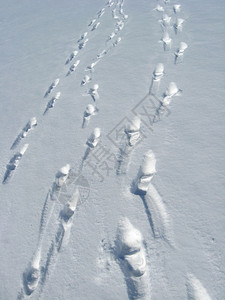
181	215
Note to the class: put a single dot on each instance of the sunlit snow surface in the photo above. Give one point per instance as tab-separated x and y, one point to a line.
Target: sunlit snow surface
115	45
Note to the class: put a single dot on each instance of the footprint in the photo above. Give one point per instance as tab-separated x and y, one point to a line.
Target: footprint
14	163
93	140
180	52
145	174
111	36
95	26
89	112
82	37
131	255
29	126
133	131
110	3
52	86
51	103
93	92
119	25
176	8
60	179
118	40
73	67
170	92
167	41
82	44
92	22
72	55
85	80
101	13
133	134
92	65
156	78
178	26
114	15
165	21
159	8
102	54
32	276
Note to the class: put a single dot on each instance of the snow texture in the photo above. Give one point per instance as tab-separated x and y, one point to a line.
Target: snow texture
58	228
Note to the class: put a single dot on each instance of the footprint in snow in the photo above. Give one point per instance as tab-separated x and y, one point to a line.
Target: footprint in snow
92	22
83	44
176	8
14	163
159	8
88	113
117	41
82	37
156	78
131	255
29	126
102	54
73	67
170	92
85	80
178	26
31	277
145	174
92	142
51	103
72	55
165	21
180	52
93	92
167	41
52	86
95	26
90	68
111	36
114	15
101	13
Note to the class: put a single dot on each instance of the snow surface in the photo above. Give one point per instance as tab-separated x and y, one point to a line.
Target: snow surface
182	217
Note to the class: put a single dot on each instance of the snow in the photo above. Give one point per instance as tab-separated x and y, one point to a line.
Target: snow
182	216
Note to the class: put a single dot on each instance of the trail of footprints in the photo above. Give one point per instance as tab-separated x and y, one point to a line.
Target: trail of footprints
130	250
92	92
38	269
